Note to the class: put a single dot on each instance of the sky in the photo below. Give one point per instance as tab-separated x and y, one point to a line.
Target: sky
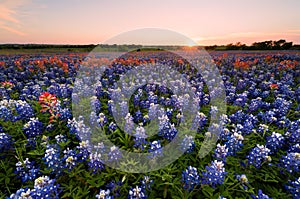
206	22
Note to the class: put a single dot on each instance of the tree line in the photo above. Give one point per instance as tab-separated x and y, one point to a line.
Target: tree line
264	45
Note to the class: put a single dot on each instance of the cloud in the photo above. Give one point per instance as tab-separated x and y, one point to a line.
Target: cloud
12	30
10	14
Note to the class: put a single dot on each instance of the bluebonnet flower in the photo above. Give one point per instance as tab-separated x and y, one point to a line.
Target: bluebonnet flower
281	105
222	197
24	110
293	134
180	118
5	113
124	108
93	118
140	137
104	194
206	99
112	127
26	170
225	134
166	129
21	193
100	147
190	178
102	120
129	124
155	149
52	159
255	104
70	158
243	179
163	122
84	150
294	148
258	155
152	98
114	154
146	119
146	182
260	195
187	144
6	142
269	116
95	104
265	94
214	174
283	122
138	116
65	114
213	111
291	162
241	99
169	113
237	117
95	163
234	143
221	152
137	193
169	133
136	100
263	128
50	127
275	142
78	127
33	128
249	123
294	188
114	187
32	142
153	110
199	121
60	138
44	187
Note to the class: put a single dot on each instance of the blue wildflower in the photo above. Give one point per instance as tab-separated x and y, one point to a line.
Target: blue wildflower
294	188
190	178
114	154
275	142
291	162
258	155
214	174
104	194
33	128
137	193
260	195
26	170
6	142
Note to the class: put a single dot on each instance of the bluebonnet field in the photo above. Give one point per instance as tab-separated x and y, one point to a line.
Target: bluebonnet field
257	154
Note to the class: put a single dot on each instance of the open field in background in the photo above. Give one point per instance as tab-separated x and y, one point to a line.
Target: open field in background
42	153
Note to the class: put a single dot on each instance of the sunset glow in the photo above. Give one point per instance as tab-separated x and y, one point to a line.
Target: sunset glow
93	21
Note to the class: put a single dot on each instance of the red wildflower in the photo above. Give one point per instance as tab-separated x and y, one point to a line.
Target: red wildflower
7	84
47	101
274	86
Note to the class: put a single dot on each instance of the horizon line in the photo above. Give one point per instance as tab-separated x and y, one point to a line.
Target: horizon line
74	44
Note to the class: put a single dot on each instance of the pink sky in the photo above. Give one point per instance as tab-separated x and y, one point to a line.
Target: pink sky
94	21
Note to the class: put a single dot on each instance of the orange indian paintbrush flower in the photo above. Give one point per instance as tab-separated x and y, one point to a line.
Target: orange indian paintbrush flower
48	102
274	86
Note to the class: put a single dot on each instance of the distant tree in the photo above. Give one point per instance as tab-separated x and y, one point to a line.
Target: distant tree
287	45
277	45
